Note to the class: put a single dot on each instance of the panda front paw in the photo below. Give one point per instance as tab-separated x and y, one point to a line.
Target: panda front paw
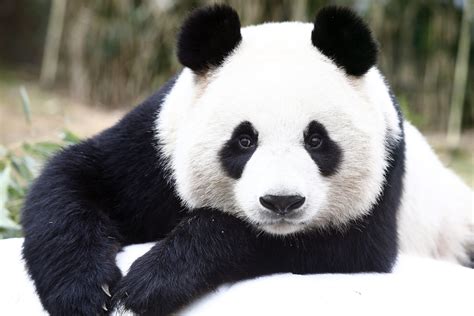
149	289
142	293
83	295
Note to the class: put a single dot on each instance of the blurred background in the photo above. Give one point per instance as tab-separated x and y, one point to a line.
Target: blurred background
68	69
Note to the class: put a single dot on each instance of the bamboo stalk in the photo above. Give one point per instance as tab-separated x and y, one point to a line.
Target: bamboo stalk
49	65
460	79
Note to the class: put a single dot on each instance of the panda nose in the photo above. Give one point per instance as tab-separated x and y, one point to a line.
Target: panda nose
282	204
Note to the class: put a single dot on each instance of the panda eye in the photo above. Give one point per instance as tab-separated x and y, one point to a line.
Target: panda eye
314	141
245	142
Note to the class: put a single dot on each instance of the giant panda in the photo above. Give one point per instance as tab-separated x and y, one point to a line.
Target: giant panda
278	148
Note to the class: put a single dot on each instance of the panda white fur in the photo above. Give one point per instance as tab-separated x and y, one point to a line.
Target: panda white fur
279	148
436	218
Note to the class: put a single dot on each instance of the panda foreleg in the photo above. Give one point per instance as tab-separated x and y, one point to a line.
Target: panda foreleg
70	242
76	271
205	250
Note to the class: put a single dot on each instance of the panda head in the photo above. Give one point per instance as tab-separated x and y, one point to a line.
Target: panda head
285	125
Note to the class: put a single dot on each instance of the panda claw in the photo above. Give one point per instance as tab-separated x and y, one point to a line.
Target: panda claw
106	290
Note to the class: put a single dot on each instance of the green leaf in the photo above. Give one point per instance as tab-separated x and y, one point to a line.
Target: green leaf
5	221
15	190
70	137
25	101
21	167
42	150
3	152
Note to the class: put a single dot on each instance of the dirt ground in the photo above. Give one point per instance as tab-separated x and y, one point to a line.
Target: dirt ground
52	113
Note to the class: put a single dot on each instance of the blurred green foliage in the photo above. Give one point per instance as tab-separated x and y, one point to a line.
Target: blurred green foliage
409	114
18	168
116	52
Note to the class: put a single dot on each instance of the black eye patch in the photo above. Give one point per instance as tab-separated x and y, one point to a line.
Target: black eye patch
237	151
327	154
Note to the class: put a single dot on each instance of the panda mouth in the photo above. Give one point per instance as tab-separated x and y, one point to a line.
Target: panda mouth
274	219
279	224
282	226
282	222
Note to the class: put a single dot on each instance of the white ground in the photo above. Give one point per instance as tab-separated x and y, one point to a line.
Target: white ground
416	287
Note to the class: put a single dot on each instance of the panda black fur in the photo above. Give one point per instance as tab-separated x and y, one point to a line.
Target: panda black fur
126	184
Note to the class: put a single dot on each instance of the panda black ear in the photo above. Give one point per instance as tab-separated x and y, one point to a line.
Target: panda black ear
208	36
343	36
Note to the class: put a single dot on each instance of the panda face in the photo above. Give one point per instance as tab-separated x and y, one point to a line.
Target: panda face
280	180
278	134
